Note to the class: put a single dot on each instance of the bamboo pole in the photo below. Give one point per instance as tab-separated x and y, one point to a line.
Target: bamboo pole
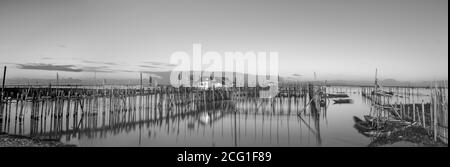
3	84
435	113
414	106
423	114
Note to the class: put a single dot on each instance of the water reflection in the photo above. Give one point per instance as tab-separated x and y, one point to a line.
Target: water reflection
142	121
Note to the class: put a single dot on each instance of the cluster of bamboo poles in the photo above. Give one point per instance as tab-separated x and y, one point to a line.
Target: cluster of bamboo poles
70	109
439	99
75	105
427	106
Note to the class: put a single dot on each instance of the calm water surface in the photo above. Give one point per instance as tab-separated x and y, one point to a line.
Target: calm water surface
227	123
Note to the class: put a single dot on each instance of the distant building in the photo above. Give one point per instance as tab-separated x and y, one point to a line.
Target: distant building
206	83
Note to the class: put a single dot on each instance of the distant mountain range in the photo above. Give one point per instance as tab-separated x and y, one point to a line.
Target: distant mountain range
163	78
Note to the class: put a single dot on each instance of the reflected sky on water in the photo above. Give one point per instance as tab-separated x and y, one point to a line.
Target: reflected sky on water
245	122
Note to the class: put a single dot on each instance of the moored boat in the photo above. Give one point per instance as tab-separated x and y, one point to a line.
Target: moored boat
337	95
361	125
342	101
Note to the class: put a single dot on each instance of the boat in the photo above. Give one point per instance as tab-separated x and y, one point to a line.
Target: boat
386	121
379	89
372	119
338	95
361	125
369	118
342	101
377	133
382	93
362	132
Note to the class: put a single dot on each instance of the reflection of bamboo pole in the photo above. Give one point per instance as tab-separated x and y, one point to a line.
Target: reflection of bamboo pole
307	125
435	113
423	114
414	106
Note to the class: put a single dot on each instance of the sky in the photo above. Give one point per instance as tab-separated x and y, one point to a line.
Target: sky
337	39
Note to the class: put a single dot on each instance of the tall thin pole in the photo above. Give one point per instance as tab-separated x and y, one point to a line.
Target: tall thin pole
435	110
141	81
3	85
376	79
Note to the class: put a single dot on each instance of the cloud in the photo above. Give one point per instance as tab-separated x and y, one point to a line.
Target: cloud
98	69
111	63
151	66
171	65
93	66
148	66
67	68
48	67
154	63
99	62
124	71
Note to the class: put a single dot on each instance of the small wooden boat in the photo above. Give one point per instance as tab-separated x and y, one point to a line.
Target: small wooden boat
382	93
342	101
377	133
361	131
361	125
372	119
339	95
392	122
369	118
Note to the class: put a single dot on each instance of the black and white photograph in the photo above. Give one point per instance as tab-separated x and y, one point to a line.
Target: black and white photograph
224	73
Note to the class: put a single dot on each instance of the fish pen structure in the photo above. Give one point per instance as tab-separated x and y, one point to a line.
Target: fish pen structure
427	107
52	111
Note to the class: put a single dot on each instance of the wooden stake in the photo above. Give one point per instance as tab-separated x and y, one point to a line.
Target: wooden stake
435	113
3	84
423	114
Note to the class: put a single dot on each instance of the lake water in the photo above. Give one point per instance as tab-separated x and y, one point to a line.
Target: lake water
247	122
